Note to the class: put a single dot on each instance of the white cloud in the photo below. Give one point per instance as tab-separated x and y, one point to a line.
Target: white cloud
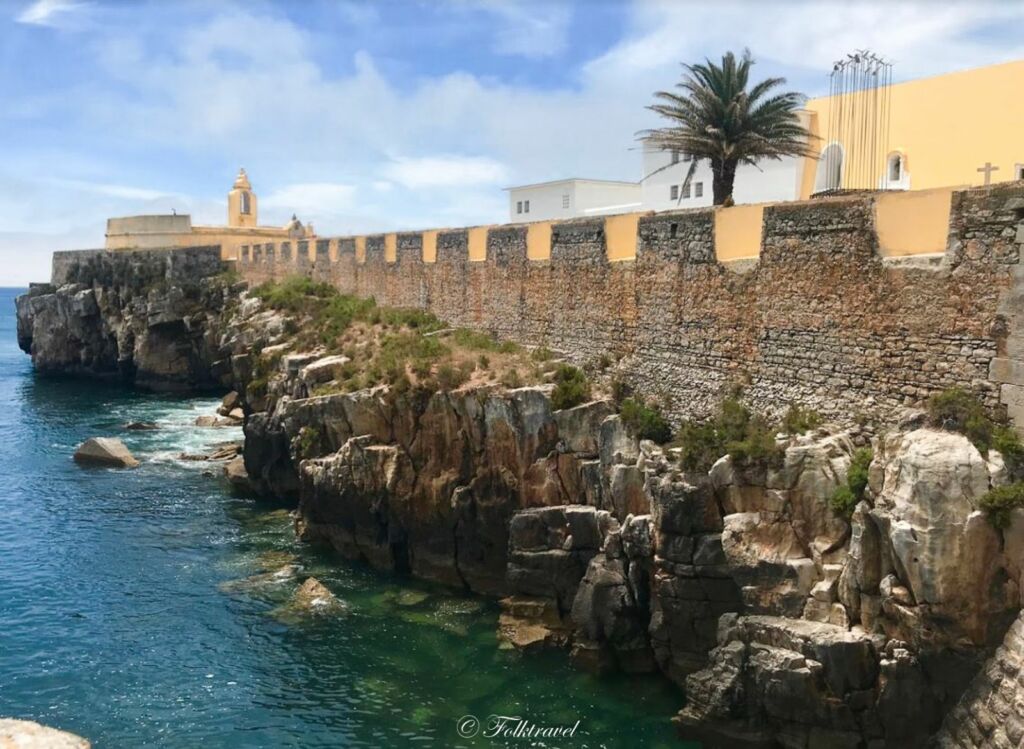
114	191
314	199
446	171
357	148
48	12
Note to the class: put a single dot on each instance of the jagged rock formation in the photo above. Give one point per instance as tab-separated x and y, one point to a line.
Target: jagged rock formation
786	623
143	317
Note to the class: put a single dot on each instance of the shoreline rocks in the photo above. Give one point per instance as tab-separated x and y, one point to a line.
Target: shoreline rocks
27	734
105	451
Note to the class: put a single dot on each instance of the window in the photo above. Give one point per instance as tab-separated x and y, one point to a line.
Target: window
686	190
698	190
675	156
1018	171
673	192
526	206
895	167
519	207
565	200
246	206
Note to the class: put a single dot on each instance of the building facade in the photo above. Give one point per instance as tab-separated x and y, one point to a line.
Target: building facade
172	231
962	129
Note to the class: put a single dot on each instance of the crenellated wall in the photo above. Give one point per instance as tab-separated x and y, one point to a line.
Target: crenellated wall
819	316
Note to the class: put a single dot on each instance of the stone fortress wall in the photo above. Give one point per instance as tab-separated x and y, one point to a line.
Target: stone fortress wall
824	310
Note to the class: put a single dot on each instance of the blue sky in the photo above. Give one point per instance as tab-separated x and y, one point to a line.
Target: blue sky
390	114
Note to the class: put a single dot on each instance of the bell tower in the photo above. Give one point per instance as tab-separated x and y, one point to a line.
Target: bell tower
241	202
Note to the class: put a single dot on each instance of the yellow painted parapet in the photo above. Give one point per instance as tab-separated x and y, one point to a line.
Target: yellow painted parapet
390	248
430	246
538	241
738	232
620	233
360	250
913	223
477	239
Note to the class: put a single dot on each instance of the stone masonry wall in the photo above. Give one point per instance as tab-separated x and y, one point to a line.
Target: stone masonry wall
819	318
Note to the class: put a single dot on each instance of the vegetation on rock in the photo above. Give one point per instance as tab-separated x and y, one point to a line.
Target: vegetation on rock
845	498
799	419
1000	501
571	387
644	421
749	438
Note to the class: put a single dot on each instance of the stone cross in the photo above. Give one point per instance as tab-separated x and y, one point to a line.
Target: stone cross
987	170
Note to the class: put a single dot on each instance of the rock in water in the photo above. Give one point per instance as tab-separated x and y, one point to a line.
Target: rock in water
105	451
26	734
230	403
236	474
215	421
313	596
140	426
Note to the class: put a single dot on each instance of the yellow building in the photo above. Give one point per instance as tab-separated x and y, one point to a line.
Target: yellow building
955	130
150	232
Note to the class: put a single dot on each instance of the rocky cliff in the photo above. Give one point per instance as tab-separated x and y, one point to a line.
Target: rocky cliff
785	622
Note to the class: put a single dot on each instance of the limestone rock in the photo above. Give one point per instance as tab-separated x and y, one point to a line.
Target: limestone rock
27	734
579	427
105	451
314	597
237	476
229	403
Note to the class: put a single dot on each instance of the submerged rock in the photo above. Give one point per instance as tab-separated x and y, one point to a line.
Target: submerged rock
217	421
105	451
314	597
139	426
27	734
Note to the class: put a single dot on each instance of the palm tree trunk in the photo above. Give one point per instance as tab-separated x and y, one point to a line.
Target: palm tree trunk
723	175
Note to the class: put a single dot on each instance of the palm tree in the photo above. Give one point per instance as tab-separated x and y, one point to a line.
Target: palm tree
717	118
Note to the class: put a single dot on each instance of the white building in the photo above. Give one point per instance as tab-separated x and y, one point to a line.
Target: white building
570	198
660	188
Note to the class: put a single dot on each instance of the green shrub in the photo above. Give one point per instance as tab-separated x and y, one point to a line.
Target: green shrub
307	442
293	293
603	362
845	498
571	387
483	361
475	340
799	420
733	431
645	422
449	377
1006	441
857	474
700	446
511	379
757	445
843	501
959	411
998	502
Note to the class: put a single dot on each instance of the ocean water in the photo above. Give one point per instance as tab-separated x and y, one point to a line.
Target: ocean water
150	607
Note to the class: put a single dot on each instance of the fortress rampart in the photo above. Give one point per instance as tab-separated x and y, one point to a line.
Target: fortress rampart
821	310
822	313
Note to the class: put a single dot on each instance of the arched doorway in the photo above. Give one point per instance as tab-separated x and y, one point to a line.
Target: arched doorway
830	169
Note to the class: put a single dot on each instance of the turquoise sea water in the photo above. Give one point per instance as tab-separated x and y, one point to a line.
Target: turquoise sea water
136	608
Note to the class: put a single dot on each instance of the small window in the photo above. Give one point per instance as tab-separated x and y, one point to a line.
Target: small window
246	207
565	200
895	167
519	207
673	192
675	156
686	190
1019	171
526	206
698	190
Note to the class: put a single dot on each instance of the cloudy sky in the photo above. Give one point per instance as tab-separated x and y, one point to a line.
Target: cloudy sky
366	116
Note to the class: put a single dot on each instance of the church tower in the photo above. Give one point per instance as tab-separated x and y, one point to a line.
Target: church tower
241	202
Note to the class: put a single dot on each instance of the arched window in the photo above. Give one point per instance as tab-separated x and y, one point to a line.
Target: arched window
830	169
895	170
246	203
